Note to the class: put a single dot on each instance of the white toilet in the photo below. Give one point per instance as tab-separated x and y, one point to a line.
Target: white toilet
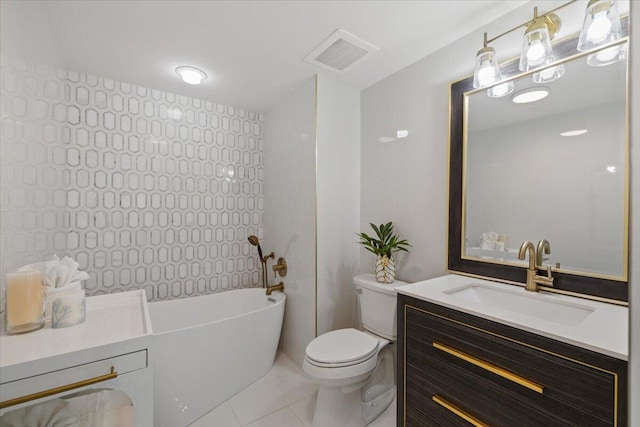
355	370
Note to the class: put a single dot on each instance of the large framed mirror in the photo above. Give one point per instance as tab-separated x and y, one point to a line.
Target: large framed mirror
554	169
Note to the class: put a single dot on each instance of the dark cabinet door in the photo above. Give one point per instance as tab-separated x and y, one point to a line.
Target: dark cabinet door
457	369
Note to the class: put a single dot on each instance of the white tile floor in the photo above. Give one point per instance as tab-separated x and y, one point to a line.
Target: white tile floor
284	397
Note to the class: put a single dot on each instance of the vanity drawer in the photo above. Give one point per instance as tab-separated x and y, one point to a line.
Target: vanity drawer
71	379
445	388
515	366
500	375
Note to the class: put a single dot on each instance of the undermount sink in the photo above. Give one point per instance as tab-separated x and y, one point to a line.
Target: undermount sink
528	304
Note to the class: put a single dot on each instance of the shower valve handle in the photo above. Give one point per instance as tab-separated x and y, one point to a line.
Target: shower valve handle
280	267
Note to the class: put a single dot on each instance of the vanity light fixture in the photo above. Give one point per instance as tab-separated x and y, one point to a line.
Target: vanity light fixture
530	95
536	44
486	71
191	75
503	89
601	25
607	56
548	74
575	132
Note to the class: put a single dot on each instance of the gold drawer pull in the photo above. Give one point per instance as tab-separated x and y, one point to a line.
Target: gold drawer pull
459	412
491	368
39	395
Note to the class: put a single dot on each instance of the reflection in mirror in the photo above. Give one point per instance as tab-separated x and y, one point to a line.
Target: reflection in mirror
550	169
553	169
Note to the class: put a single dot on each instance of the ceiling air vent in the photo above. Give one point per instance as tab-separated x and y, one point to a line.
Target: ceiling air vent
339	51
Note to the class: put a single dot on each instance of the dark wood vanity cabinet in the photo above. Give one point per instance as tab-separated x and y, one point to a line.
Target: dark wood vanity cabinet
455	369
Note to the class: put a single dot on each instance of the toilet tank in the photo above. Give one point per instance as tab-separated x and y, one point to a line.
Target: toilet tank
377	305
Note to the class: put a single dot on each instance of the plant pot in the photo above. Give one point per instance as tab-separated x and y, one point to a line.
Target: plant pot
385	269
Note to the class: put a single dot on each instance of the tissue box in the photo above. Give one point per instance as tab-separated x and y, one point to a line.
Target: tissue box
52	293
68	309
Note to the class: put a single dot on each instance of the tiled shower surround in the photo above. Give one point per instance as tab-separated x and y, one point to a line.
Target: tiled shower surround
145	189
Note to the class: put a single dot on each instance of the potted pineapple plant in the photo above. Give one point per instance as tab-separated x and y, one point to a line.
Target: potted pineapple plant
383	245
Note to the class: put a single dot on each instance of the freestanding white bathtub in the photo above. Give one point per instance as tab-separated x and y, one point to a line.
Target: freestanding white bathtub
208	348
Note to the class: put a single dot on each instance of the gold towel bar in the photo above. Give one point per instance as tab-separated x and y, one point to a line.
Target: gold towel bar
470	419
491	368
39	395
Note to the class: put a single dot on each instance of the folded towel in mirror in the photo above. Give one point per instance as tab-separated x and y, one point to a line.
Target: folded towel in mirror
488	240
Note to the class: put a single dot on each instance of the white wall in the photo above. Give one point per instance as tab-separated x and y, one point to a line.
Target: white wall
407	181
290	211
634	222
338	188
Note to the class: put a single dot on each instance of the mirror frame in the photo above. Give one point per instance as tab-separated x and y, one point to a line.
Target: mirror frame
582	284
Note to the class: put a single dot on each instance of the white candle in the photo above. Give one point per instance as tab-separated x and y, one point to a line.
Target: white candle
24	301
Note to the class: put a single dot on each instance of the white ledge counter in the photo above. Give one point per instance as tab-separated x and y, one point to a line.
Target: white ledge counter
116	337
604	329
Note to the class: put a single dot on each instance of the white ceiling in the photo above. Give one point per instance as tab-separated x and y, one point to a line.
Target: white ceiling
252	50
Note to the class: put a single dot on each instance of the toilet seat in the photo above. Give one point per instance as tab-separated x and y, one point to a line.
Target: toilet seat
341	348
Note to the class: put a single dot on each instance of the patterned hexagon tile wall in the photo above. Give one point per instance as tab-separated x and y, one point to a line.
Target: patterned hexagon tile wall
162	190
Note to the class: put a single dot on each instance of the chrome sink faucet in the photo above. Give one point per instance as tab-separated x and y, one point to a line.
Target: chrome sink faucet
533	279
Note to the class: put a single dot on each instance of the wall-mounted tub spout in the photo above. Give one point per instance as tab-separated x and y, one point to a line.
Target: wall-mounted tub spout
278	287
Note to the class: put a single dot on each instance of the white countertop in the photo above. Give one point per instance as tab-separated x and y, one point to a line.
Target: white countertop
605	330
113	318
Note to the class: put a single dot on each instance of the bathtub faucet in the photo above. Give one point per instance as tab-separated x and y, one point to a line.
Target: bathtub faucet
278	287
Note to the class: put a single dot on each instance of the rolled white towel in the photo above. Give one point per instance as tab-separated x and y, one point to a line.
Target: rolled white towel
68	272
58	273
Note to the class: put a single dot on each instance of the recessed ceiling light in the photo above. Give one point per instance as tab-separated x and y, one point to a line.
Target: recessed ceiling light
191	75
402	134
530	95
574	132
612	169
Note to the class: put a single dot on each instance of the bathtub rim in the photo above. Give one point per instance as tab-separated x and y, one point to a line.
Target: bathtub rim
278	295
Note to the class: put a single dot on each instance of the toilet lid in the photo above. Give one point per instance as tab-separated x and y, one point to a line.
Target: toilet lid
343	346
